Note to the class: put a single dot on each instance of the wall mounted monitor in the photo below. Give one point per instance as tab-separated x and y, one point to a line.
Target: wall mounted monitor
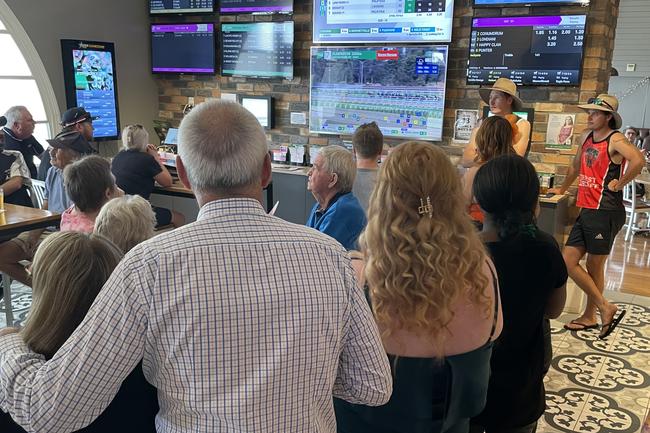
258	50
530	50
362	21
261	107
519	3
402	89
161	7
256	6
90	82
183	48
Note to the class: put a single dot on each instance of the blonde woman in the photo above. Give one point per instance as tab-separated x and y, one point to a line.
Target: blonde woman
138	166
126	221
434	294
69	270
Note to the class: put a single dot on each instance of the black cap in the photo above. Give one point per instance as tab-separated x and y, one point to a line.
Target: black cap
76	115
3	121
72	140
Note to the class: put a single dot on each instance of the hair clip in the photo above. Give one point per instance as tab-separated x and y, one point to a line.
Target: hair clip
426	209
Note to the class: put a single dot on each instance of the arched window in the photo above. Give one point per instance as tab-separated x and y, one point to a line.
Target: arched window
23	79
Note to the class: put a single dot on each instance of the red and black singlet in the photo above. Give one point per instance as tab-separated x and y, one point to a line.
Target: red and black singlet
596	171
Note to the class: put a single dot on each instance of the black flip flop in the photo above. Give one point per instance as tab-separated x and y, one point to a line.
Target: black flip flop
584	326
609	327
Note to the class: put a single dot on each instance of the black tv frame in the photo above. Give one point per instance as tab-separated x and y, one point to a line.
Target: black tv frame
506	4
221	12
214	48
270	111
166	14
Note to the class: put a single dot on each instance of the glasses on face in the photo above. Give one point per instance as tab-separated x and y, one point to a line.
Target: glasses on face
600	102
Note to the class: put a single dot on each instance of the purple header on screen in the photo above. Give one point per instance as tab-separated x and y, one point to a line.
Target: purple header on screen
517	21
259	9
198	70
191	28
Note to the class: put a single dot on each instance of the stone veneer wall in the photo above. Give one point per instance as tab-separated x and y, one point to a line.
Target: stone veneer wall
293	96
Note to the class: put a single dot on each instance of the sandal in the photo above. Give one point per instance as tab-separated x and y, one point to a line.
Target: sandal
608	328
581	326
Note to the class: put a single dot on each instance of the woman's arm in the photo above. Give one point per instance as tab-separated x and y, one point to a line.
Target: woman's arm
164	178
469	153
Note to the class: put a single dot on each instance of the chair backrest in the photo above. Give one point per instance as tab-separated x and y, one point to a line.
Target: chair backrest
38	193
628	192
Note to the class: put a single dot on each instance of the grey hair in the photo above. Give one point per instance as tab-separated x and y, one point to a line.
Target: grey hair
135	137
126	221
222	146
14	114
339	160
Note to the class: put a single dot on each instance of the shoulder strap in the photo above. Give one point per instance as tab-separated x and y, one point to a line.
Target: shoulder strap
496	304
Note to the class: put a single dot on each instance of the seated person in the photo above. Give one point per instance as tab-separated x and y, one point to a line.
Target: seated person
337	211
632	135
532	280
126	221
368	143
89	183
69	271
19	136
434	295
14	178
138	166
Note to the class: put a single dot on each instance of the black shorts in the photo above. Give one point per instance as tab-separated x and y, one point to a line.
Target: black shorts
163	216
595	230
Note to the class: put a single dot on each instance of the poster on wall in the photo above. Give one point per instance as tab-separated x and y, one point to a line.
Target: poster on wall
90	82
559	131
465	122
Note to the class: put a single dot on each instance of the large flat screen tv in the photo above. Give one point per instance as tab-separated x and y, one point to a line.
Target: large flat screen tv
258	50
90	82
183	48
160	7
372	21
530	50
402	89
515	3
256	6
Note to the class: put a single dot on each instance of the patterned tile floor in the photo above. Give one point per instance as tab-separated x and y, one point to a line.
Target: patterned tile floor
593	386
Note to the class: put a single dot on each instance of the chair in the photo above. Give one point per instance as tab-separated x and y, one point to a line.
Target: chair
38	193
6	286
634	206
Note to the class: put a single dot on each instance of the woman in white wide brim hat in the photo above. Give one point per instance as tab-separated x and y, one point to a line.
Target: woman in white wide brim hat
503	101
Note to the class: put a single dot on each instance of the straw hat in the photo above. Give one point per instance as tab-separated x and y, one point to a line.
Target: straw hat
506	86
606	103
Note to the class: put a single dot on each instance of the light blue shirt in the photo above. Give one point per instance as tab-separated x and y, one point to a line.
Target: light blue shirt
57	198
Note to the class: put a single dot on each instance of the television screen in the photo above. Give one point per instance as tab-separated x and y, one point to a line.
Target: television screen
183	48
373	21
180	6
90	82
515	3
261	107
260	50
530	50
256	6
402	89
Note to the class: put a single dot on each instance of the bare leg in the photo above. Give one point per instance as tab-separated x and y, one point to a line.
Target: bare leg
596	270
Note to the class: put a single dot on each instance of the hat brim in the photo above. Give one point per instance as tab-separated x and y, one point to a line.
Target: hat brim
484	93
618	120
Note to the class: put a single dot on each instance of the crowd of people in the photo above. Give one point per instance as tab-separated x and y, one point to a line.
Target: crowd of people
414	299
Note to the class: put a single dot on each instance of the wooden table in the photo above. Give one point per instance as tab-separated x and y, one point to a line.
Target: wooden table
179	190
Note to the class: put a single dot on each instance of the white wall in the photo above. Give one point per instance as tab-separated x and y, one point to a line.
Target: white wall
633	38
124	22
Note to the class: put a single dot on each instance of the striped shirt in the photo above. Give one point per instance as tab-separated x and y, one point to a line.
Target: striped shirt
244	323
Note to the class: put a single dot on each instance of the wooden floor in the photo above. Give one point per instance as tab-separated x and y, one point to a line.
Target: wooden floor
628	266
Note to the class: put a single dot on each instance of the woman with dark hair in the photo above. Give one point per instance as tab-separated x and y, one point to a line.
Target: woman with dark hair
532	278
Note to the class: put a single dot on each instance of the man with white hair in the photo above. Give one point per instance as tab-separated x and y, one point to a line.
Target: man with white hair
19	136
239	329
337	211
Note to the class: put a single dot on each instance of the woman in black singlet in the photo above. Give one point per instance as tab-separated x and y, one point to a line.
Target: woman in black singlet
434	295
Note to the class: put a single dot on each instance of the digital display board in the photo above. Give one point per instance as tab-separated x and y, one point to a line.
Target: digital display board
259	50
363	21
402	89
183	48
256	6
530	50
515	3
180	6
90	82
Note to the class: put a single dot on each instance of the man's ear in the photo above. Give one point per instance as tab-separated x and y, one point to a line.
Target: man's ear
267	171
182	173
333	180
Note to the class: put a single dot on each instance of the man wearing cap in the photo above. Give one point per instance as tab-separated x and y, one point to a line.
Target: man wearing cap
503	101
600	166
75	119
19	136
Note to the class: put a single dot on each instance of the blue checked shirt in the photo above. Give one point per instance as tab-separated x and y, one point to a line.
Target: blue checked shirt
244	323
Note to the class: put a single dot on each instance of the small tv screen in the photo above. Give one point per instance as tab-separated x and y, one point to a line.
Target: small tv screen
261	107
159	7
90	82
530	50
372	21
515	3
258	50
183	48
256	6
402	89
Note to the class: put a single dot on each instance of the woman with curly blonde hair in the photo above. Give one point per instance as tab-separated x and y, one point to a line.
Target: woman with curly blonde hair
434	294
